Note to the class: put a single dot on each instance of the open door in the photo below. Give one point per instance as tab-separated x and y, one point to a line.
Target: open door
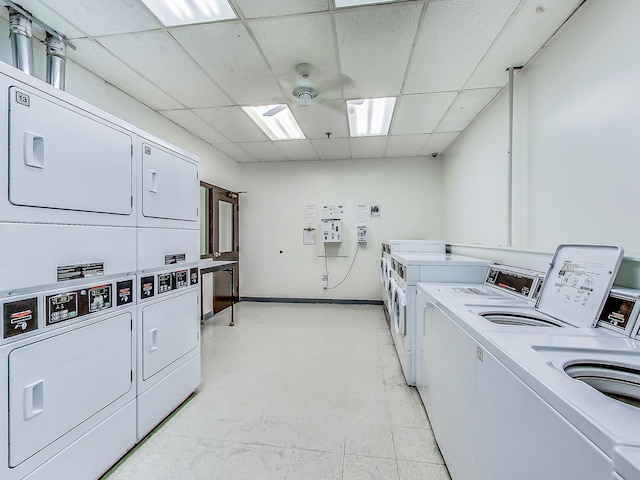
225	246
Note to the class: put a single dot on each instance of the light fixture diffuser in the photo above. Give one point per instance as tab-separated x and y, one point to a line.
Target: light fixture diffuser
354	3
276	121
370	117
186	12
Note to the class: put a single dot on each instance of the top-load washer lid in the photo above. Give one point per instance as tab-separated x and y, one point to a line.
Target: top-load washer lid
578	281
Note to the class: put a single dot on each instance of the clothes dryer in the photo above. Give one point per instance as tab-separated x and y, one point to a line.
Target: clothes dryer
68	180
409	269
168	356
401	246
68	357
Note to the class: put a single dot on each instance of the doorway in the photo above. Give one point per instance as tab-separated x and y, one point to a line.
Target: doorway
220	241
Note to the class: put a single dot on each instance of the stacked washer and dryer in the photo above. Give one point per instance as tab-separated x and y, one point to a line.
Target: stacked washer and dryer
401	246
77	348
407	270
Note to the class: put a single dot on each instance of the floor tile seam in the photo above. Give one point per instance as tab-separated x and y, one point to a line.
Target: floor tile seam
412	428
344	455
423	462
373	456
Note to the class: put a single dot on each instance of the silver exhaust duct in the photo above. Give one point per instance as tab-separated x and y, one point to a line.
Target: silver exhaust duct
56	61
21	46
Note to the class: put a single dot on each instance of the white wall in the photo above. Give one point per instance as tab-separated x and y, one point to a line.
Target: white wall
576	142
408	190
215	166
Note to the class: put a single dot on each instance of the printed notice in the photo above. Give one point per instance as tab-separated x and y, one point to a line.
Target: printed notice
362	217
577	281
309	236
310	216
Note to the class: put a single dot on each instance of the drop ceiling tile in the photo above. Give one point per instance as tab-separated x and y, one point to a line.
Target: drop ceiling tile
272	8
420	113
95	18
527	30
368	147
194	124
232	122
235	152
98	60
465	108
405	145
332	149
229	55
438	143
319	118
289	41
297	149
263	151
158	57
374	45
453	38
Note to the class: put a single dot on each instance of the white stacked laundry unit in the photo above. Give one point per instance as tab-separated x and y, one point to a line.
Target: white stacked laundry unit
168	238
67	290
401	246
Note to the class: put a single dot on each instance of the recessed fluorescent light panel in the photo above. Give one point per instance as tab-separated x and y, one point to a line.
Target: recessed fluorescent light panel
353	3
369	117
186	12
276	121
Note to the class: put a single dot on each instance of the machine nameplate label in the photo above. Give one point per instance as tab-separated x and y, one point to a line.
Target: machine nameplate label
20	317
87	270
175	258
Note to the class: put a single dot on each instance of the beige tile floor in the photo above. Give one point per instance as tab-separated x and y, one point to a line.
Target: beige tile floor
294	392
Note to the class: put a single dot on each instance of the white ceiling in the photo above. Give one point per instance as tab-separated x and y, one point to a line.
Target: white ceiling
445	60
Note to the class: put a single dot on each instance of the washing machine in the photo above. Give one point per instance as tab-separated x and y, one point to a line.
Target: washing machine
67	407
407	271
569	399
67	191
467	386
401	246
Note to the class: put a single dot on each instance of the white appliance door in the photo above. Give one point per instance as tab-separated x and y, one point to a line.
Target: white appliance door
57	383
170	329
170	185
64	158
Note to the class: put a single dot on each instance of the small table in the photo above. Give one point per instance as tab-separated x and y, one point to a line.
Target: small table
209	266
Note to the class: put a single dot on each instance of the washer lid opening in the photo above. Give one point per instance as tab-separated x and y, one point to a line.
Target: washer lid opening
519	320
615	381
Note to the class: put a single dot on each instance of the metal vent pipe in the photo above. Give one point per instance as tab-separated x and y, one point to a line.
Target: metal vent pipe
21	45
56	61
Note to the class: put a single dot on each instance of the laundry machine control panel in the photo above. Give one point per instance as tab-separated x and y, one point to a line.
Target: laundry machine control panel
167	282
518	283
77	303
620	310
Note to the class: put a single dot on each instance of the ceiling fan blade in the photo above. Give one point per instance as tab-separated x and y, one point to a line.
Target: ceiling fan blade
274	110
341	81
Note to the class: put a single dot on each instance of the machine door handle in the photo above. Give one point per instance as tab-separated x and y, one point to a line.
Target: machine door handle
153	181
33	399
33	150
153	344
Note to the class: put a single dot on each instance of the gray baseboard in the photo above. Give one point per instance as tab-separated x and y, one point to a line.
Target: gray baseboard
310	300
208	315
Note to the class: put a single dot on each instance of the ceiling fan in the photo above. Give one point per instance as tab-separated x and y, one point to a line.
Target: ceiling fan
305	90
